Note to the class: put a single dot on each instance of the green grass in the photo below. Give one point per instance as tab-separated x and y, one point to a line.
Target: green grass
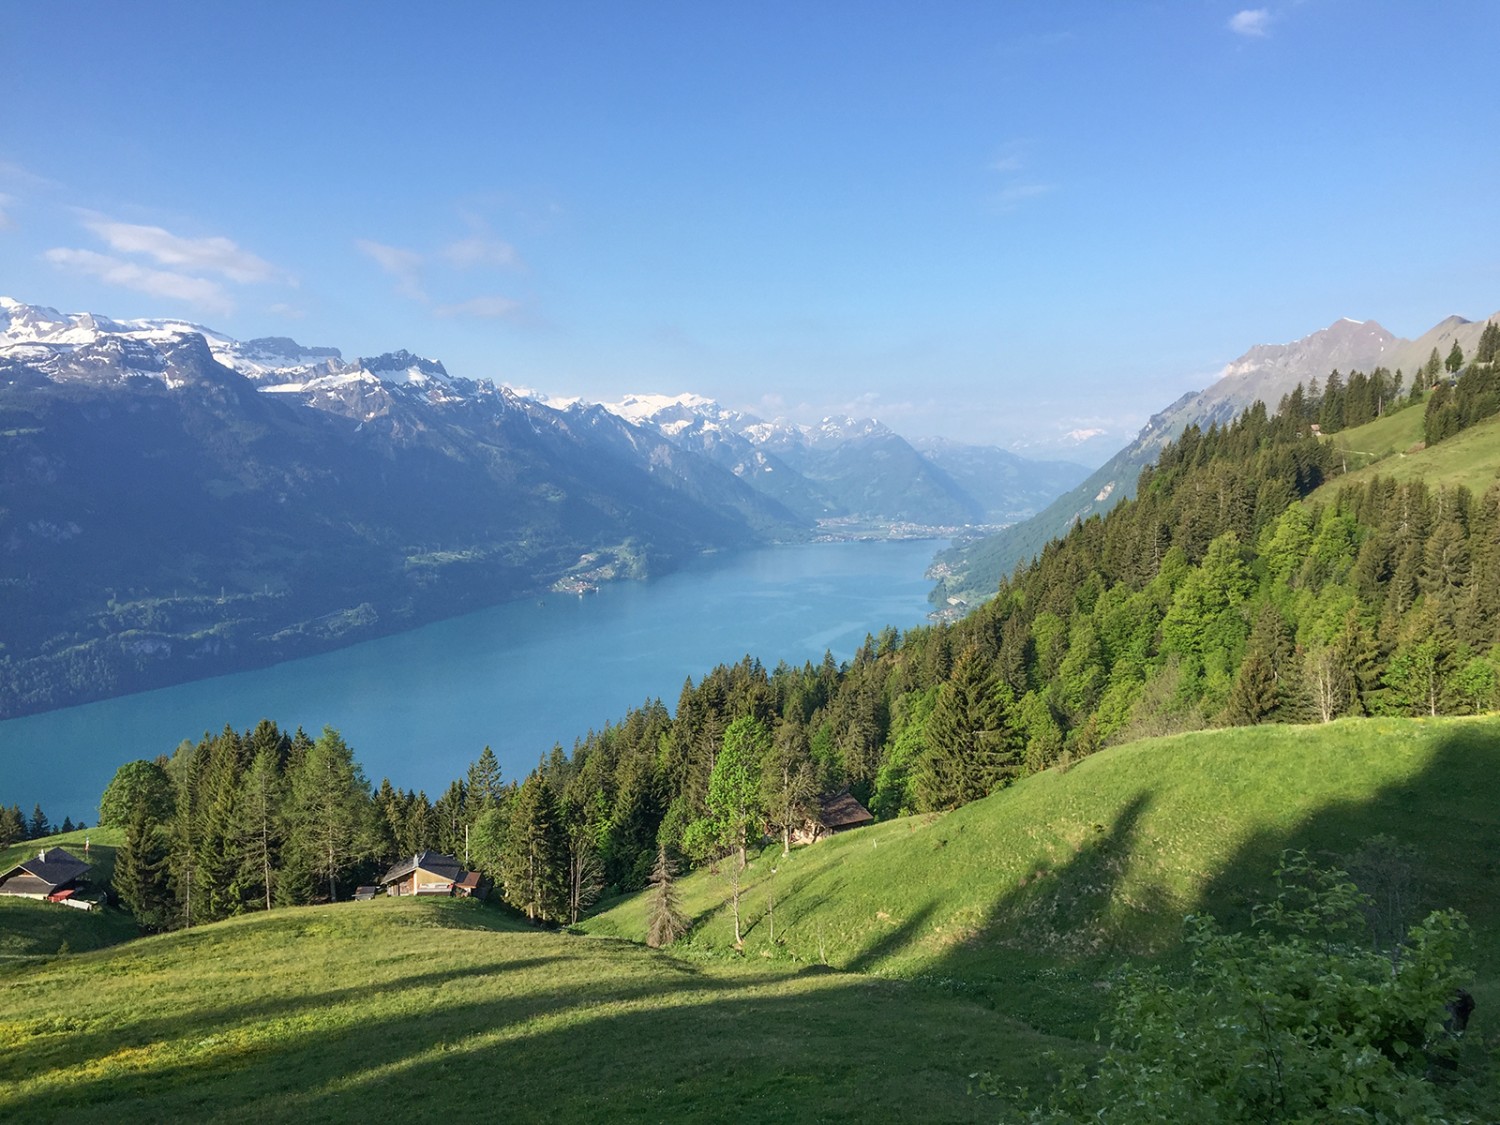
906	957
29	928
1029	896
1385	448
448	1010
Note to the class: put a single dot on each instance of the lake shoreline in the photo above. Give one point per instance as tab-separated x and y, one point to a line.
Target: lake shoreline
521	675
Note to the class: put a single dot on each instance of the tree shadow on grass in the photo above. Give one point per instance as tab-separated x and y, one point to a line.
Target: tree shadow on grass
1448	814
735	1044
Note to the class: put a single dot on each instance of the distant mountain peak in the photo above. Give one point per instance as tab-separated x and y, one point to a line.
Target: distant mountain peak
402	362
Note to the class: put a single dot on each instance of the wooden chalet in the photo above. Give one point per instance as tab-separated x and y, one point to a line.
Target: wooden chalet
837	813
54	875
431	873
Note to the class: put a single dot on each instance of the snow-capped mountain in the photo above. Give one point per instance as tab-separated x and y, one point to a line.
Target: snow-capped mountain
840	468
180	504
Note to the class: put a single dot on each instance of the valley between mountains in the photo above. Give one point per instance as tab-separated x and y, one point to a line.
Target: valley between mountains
178	504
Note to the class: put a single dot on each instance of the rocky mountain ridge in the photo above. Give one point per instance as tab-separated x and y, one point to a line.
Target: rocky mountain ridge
971	571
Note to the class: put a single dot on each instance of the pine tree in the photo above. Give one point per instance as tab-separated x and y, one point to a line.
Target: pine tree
12	825
665	922
1253	698
141	878
330	815
260	825
1455	359
533	865
484	787
39	826
971	748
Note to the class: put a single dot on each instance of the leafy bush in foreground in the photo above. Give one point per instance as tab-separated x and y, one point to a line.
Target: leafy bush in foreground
1296	1020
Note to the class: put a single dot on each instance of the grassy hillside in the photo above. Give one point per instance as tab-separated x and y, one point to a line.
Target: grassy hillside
1028	895
29	928
1385	448
446	1009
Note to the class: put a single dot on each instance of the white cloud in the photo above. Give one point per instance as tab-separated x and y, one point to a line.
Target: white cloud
488	308
481	250
1253	23
201	255
202	292
291	312
404	265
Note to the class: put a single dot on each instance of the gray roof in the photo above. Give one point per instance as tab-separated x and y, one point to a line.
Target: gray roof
438	863
53	866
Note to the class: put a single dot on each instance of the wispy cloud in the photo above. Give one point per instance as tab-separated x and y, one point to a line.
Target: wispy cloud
404	265
1253	23
482	250
1009	163
290	312
217	255
487	308
187	261
199	291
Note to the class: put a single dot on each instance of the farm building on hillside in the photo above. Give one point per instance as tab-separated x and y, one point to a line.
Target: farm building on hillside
838	813
54	876
432	873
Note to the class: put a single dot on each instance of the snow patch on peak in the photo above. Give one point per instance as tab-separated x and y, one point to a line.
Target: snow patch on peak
640	408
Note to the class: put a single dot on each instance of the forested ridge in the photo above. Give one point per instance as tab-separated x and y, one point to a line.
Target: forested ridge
1219	595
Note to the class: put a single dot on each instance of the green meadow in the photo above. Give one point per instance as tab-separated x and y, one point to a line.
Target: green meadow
448	1009
905	957
1391	447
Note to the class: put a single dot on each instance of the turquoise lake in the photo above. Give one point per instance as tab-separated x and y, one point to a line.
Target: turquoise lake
418	707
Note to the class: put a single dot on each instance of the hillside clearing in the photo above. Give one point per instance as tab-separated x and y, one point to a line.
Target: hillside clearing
441	1009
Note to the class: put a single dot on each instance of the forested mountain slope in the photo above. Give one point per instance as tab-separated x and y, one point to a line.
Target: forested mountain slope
1265	373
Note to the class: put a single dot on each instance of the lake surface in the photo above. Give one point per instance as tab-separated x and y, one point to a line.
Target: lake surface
418	707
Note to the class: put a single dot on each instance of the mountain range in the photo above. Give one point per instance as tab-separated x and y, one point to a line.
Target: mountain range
176	503
971	571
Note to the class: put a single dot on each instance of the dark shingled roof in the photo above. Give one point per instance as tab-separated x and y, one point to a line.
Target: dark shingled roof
844	811
53	866
436	862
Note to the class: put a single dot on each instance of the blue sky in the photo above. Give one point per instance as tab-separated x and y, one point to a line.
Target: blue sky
994	221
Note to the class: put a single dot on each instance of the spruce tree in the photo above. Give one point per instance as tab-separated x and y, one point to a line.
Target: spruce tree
331	819
665	922
142	869
12	825
39	825
533	865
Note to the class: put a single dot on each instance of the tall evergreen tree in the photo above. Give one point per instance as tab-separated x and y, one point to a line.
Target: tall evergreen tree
39	825
142	872
12	825
330	815
260	824
665	922
533	866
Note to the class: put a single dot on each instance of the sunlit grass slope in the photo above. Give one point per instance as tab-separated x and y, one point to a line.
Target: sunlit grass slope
29	928
446	1010
1384	448
1027	895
